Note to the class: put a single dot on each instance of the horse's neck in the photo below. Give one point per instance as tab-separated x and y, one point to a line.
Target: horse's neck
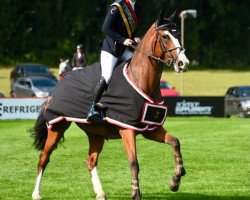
145	71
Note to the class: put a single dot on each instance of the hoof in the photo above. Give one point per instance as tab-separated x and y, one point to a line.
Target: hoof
101	197
173	188
36	197
174	183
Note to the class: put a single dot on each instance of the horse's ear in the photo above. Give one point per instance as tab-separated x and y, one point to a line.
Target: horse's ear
172	17
160	19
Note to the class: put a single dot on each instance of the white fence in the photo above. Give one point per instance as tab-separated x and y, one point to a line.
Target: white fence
20	108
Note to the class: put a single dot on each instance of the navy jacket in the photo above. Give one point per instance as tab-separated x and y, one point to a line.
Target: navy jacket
115	31
79	62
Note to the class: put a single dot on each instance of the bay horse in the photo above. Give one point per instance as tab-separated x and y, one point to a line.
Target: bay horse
158	47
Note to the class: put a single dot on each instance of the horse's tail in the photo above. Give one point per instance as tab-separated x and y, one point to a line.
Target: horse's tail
39	131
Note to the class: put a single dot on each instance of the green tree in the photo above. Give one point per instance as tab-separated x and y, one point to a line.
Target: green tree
44	31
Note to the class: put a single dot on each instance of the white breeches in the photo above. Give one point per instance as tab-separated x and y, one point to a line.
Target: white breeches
108	62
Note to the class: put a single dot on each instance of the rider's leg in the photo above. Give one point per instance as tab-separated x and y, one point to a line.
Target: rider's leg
100	87
108	62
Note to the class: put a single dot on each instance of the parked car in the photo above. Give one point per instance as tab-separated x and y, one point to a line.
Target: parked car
34	86
1	95
167	89
29	69
237	101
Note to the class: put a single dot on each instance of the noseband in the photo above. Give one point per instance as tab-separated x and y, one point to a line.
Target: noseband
163	49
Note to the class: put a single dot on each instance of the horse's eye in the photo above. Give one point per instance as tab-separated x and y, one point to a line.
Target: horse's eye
165	36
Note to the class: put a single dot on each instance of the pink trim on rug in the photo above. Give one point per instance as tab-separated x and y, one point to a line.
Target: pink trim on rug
136	87
84	121
143	121
122	125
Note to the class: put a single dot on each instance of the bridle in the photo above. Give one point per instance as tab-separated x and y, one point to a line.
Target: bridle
163	49
169	51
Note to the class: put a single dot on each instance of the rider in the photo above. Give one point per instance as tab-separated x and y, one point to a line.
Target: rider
120	27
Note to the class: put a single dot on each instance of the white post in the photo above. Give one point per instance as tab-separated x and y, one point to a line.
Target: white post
182	30
183	14
182	43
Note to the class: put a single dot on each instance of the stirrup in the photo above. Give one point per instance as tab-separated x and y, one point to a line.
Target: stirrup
96	113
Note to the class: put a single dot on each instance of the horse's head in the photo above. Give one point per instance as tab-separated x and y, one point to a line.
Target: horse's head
167	46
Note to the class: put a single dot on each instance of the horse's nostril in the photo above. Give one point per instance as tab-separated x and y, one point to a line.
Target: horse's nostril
180	63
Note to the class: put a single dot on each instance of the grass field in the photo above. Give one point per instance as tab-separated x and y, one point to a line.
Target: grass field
191	83
215	153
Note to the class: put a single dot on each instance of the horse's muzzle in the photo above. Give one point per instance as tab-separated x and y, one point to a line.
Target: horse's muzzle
181	65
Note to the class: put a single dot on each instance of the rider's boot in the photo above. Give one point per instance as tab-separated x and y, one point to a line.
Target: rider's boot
96	110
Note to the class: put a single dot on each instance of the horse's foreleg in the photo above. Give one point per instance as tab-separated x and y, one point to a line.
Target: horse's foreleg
52	140
179	169
161	135
95	147
129	141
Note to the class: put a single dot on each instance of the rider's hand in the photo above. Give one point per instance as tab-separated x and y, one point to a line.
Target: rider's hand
128	42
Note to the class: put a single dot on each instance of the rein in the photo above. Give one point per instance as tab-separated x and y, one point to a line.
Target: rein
149	55
173	60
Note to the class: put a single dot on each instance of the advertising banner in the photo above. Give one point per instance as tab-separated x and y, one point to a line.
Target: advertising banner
195	106
20	108
29	108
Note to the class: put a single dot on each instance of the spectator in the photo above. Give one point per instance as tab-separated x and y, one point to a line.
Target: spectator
79	59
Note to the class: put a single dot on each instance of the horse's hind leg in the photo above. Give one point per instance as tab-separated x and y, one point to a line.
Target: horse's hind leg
161	135
95	147
53	138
